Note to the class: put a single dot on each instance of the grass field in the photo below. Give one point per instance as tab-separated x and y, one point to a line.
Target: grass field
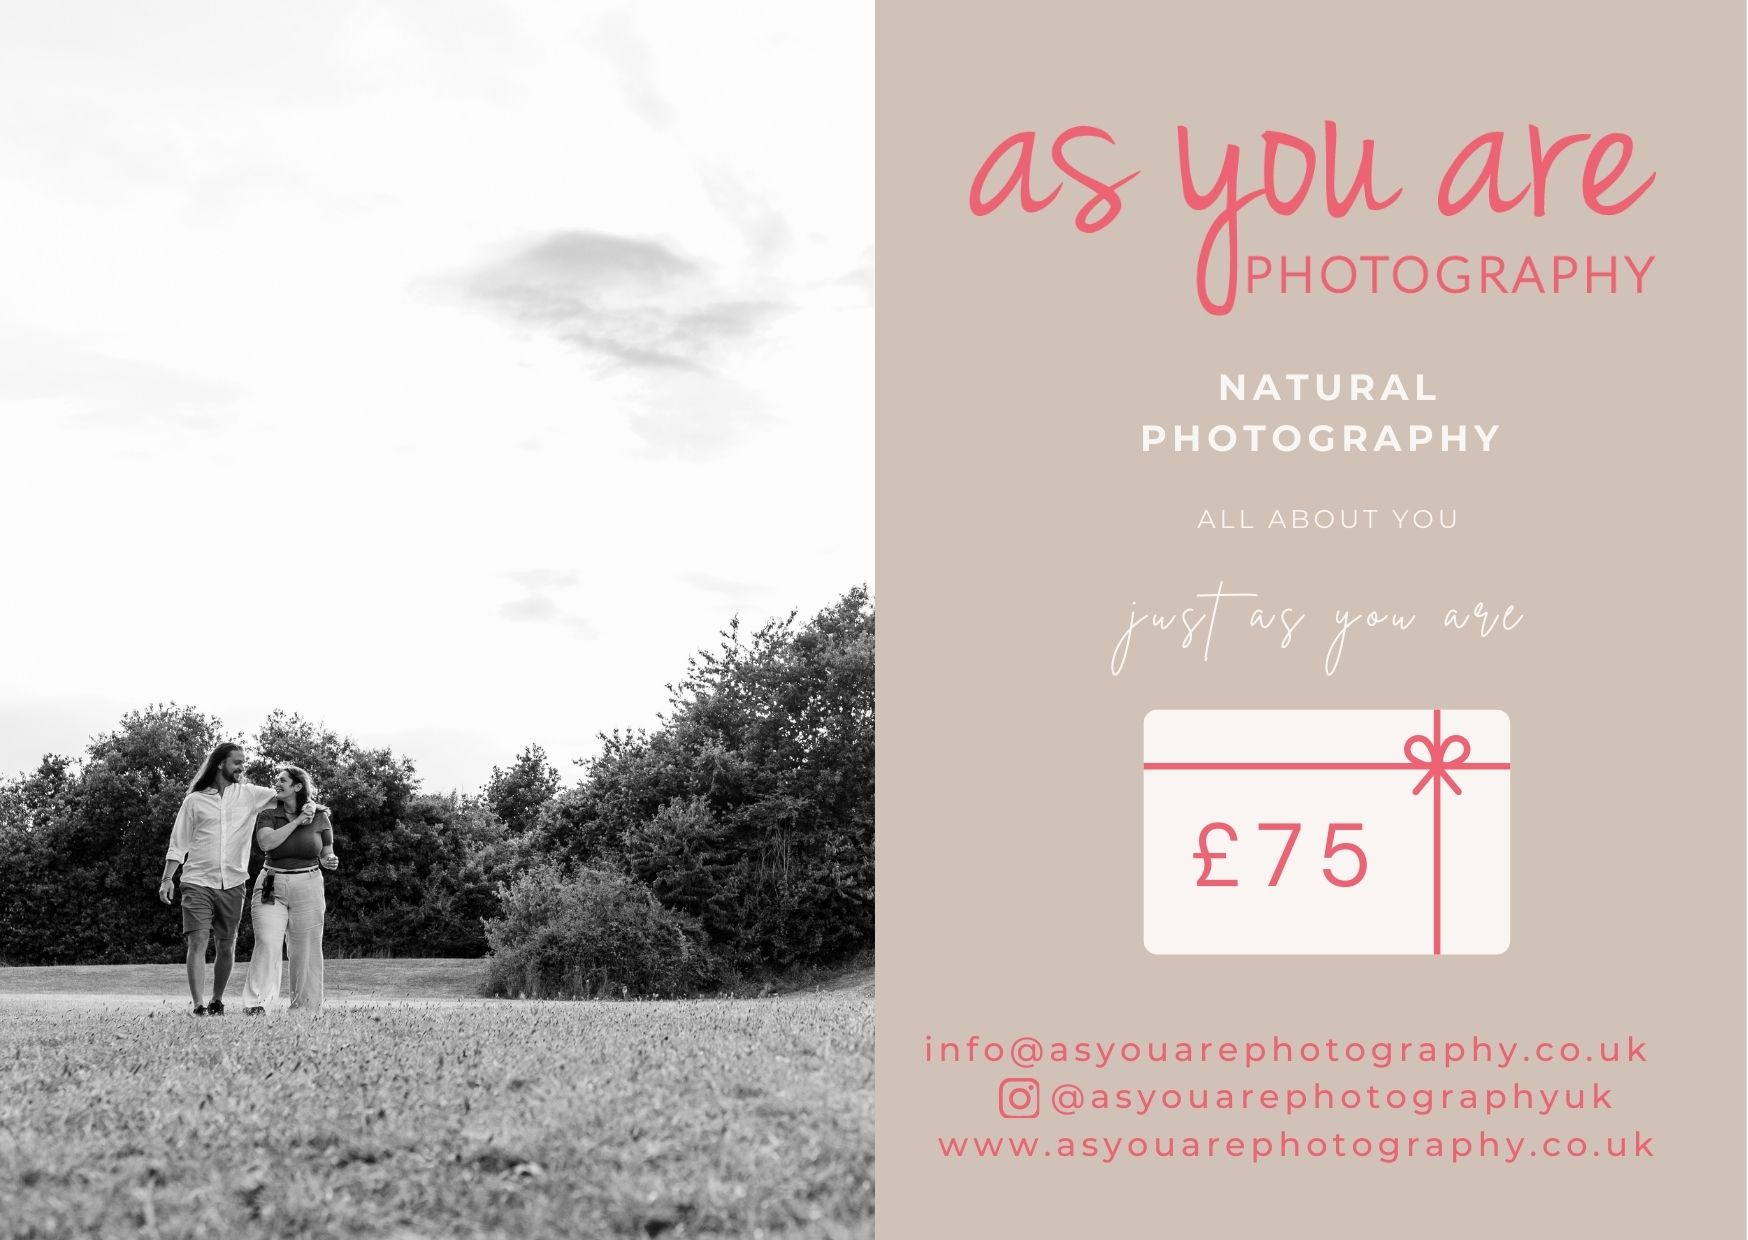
342	979
124	1116
361	979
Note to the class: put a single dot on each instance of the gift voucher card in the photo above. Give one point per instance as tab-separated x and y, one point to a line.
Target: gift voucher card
1214	884
1310	536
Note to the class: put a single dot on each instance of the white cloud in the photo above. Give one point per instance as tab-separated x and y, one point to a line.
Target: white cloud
626	300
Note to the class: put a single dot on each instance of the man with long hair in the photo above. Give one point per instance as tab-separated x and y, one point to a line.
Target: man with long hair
210	841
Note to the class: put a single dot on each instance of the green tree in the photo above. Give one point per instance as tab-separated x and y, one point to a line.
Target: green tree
85	844
94	842
518	795
35	820
752	806
747	815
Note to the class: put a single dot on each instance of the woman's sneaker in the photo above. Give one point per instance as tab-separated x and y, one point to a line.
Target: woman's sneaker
200	1009
216	1008
254	1011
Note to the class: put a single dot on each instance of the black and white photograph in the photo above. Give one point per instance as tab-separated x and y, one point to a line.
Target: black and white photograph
437	514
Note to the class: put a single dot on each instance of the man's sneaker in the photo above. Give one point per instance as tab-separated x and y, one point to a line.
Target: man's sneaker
254	1011
216	1008
200	1009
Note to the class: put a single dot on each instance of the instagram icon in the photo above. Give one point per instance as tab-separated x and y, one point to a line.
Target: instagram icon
1017	1097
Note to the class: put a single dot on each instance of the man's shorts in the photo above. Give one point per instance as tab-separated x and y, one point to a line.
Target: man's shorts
209	908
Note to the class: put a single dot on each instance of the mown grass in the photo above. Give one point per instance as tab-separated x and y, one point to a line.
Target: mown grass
677	1119
358	978
379	977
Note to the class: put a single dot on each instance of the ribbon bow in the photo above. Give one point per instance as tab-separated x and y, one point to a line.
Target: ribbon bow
1435	762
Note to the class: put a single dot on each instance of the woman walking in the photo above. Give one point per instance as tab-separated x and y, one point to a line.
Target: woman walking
289	903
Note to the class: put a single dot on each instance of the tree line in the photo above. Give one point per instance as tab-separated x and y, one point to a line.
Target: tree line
733	839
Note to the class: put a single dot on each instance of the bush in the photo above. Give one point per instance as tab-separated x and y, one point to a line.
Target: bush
591	933
751	807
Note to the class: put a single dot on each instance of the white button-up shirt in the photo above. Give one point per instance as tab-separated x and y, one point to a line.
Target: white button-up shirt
212	831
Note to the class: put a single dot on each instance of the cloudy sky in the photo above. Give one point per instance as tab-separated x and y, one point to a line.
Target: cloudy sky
446	371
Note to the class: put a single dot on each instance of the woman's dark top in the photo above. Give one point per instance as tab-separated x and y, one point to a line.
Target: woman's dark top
304	845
